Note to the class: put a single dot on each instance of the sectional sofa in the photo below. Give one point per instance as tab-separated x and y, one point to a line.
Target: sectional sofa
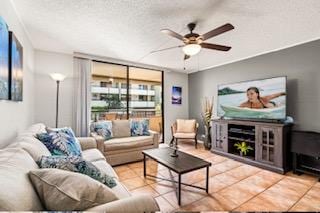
18	194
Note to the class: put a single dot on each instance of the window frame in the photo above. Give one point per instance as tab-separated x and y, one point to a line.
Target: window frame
128	88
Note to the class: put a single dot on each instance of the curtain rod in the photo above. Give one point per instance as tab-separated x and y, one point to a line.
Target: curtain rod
103	59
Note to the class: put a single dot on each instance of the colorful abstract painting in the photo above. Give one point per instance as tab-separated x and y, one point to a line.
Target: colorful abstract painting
16	68
4	60
176	95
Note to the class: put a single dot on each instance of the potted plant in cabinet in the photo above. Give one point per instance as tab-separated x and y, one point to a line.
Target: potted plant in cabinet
243	147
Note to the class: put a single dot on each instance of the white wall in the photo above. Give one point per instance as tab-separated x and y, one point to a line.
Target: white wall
45	91
16	116
172	111
45	88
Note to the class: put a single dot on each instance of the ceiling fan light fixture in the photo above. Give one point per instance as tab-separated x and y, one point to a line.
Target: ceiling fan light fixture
191	49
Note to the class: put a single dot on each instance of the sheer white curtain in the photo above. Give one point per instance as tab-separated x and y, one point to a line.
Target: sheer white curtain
82	96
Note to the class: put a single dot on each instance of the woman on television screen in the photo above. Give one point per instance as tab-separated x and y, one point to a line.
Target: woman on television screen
255	101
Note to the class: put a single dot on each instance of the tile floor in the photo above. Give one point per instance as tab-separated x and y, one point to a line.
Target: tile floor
234	186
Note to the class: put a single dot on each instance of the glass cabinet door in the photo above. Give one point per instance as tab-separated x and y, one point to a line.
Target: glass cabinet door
219	136
267	142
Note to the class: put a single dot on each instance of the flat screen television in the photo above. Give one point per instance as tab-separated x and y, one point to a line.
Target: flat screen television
263	99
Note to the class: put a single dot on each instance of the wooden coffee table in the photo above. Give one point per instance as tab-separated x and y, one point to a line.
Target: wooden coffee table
182	164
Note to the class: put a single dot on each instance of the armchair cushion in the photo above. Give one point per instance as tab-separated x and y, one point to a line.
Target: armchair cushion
186	126
184	135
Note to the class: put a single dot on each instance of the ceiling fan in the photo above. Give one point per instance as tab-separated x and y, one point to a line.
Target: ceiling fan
193	42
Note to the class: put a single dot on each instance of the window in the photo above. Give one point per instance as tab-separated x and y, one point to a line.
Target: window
149	96
115	87
143	98
123	85
143	87
107	97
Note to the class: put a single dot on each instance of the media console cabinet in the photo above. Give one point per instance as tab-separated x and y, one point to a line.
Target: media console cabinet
269	142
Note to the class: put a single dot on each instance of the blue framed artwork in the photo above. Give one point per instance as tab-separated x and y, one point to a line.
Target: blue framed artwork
4	60
16	68
176	95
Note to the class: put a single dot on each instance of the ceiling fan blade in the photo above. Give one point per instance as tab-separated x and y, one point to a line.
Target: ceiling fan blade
169	48
217	31
215	46
186	57
173	34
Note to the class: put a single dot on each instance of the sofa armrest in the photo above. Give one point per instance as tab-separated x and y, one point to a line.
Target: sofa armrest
99	141
87	143
134	204
155	136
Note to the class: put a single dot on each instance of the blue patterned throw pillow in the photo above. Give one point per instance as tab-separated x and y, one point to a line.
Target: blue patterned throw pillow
139	127
102	128
76	164
61	141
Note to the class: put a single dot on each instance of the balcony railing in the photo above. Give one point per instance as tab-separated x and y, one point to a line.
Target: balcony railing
111	90
132	104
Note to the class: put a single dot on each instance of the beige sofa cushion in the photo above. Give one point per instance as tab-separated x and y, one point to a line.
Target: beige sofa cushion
92	155
104	167
134	204
27	141
186	126
33	146
66	191
121	128
119	190
127	143
33	130
17	192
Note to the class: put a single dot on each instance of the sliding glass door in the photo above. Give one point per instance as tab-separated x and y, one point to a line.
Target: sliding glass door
123	92
109	92
145	96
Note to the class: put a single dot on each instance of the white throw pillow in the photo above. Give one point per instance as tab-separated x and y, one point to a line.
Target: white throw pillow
62	190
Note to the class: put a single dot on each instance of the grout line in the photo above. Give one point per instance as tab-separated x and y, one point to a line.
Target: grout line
219	181
259	192
302	196
209	195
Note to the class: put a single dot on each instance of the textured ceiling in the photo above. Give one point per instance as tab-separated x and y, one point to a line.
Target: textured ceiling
130	29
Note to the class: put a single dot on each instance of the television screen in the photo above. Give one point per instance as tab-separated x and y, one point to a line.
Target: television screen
258	99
